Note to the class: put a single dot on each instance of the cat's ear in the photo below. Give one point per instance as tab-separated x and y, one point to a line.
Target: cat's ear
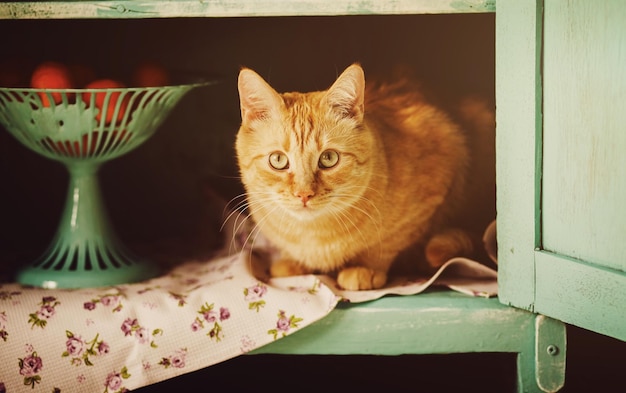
347	94
258	100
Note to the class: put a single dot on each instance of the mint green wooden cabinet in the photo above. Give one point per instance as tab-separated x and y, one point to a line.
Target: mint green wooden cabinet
561	139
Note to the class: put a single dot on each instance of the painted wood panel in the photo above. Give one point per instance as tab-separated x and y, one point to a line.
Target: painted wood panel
580	269
581	294
233	8
518	134
584	137
561	179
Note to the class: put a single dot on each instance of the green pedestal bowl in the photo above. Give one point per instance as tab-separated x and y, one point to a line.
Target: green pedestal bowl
83	128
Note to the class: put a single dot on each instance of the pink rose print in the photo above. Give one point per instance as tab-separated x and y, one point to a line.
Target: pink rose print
197	325
108	300
103	348
47	310
284	324
4	334
224	314
131	327
80	351
127	326
30	367
209	315
115	380
253	296
142	335
89	306
177	360
75	345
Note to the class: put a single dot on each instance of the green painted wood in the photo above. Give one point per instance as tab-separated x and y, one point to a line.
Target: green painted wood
518	102
582	294
438	323
559	140
582	279
232	8
584	178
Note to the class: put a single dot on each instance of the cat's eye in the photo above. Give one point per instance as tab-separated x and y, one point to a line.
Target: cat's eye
279	160
328	159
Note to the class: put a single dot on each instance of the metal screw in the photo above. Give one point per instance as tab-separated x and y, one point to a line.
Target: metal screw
553	350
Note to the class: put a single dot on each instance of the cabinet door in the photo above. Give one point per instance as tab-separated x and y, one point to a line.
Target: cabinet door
561	145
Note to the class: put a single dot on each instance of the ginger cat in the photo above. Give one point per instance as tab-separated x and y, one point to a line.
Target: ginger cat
345	180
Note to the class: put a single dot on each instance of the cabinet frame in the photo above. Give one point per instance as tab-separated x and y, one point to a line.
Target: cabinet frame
531	277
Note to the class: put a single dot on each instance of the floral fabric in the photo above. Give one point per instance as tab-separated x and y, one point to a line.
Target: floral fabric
115	339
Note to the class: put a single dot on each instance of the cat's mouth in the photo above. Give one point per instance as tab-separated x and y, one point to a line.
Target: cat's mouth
303	207
304	210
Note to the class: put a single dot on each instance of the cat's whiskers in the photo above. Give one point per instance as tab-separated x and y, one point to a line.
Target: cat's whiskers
244	202
342	206
360	198
255	232
228	212
242	208
256	228
341	216
241	198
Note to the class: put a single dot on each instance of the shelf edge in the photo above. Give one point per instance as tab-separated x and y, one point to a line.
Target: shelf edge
126	9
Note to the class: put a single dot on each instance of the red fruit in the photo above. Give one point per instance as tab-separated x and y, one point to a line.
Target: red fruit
51	75
113	99
149	74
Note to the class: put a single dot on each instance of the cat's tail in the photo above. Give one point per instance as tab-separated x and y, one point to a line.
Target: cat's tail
477	116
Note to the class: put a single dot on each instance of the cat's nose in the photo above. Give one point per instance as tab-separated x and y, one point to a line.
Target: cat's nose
304	196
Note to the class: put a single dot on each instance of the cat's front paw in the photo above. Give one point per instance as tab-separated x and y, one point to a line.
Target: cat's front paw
287	268
361	278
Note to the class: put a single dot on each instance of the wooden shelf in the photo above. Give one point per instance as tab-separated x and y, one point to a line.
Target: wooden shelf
438	322
232	8
428	323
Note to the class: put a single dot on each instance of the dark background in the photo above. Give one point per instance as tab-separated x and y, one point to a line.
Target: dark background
161	193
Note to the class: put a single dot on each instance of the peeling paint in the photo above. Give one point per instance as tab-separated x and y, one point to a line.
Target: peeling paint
233	8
